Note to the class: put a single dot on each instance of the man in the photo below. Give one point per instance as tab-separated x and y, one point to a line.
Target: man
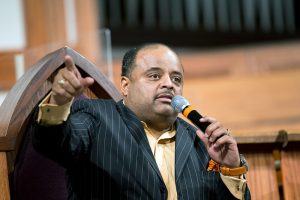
136	148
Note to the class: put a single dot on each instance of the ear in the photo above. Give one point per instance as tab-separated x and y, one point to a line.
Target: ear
124	85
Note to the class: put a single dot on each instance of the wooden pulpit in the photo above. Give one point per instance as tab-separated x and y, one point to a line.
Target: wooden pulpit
24	173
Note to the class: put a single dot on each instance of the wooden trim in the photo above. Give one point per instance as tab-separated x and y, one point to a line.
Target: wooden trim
261	177
45	22
7	69
88	41
281	136
290	161
46	25
4	185
7	143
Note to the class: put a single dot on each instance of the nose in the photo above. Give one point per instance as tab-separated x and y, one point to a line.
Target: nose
166	82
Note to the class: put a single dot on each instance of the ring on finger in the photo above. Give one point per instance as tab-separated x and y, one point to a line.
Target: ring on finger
61	82
228	132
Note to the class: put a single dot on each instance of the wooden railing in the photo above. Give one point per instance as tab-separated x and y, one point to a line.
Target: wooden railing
273	159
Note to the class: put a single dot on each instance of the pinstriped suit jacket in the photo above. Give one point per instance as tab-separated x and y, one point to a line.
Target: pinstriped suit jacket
107	156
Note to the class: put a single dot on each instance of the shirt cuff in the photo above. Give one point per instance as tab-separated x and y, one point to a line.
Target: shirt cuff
235	184
50	114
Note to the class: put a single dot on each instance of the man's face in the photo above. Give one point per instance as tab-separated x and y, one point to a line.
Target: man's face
156	78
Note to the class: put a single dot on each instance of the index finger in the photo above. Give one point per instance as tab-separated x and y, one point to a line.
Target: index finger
69	63
207	119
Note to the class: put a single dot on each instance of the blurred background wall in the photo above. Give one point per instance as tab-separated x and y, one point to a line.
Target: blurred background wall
241	57
200	22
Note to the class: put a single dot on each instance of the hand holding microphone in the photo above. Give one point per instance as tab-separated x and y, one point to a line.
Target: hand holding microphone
220	145
180	104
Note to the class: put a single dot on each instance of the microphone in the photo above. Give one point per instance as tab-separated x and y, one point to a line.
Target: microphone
180	104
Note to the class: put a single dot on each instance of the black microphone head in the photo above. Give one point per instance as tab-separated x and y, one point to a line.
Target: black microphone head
179	103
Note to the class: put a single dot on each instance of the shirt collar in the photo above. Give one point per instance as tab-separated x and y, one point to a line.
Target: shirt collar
167	134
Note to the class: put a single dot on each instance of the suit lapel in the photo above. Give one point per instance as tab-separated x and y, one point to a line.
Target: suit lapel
137	131
184	144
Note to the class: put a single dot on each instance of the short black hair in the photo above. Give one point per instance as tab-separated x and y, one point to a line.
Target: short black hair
128	62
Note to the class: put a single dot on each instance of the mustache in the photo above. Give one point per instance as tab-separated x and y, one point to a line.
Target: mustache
166	94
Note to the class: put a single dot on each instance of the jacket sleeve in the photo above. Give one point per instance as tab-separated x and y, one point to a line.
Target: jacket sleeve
70	141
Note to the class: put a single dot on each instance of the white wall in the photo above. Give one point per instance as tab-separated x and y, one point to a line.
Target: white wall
12	33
